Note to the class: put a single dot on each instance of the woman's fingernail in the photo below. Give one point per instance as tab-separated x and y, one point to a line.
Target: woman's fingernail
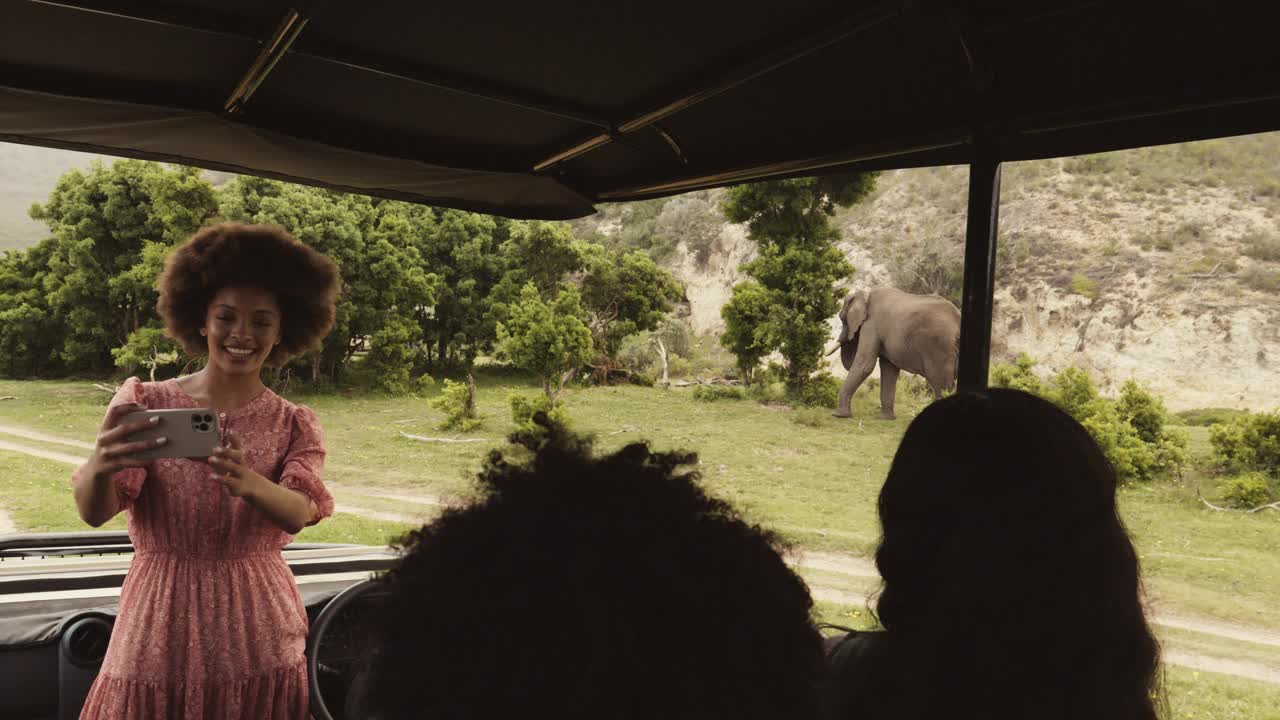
154	420
161	440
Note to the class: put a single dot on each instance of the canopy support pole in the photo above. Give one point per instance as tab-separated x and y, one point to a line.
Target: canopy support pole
978	299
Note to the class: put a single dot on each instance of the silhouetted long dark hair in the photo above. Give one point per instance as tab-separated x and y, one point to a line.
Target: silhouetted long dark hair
1011	589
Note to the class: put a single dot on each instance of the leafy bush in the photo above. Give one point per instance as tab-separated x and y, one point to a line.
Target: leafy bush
1131	458
1248	443
714	393
1246	491
524	407
936	266
768	393
150	348
1144	411
1205	417
1072	389
1215	262
1262	247
678	367
458	403
1019	376
1130	430
819	391
1260	278
1087	165
914	386
643	379
1084	286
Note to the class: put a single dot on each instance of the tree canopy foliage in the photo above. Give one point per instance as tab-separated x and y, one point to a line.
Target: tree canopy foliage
796	271
423	289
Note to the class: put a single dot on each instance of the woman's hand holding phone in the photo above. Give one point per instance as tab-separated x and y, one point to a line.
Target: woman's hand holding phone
113	450
238	479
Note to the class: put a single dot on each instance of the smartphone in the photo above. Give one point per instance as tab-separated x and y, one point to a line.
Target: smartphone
191	432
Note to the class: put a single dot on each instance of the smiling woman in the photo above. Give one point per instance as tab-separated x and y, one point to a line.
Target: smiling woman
208	532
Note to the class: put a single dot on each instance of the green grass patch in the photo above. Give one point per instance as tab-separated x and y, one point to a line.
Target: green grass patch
1195	695
813	478
37	495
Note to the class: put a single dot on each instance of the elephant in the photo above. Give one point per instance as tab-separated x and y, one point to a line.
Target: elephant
916	333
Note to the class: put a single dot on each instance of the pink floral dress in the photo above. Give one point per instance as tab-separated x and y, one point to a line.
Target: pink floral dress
211	625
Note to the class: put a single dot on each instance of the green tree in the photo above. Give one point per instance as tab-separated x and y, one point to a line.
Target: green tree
624	294
385	283
541	253
110	227
464	250
29	339
547	338
798	265
745	329
148	347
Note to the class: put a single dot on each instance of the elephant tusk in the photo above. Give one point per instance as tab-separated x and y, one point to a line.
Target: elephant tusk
833	349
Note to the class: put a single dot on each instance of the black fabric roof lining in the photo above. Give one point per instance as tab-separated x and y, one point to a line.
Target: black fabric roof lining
362	102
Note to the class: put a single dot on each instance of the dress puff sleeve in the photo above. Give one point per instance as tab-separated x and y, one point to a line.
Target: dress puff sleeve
304	462
127	482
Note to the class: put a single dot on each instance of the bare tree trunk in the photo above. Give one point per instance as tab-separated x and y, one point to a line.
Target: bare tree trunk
662	354
564	378
470	408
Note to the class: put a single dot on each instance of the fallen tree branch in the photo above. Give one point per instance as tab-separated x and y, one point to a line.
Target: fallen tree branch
106	388
1269	506
421	438
9	397
711	381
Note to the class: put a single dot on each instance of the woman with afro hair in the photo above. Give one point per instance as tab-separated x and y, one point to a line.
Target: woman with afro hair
210	622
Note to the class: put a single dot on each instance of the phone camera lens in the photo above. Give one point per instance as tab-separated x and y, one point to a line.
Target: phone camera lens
204	427
208	418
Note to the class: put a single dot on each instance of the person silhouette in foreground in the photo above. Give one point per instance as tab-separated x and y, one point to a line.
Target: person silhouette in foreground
1011	589
583	586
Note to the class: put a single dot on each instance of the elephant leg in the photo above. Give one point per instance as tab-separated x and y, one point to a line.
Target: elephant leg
888	388
858	372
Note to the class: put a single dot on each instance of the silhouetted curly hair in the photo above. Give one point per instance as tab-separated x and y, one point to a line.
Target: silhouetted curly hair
1011	589
304	282
594	587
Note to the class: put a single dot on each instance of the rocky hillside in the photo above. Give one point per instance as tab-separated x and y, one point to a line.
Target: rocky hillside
1160	264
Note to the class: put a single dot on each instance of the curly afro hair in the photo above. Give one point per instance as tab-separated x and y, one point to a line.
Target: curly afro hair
304	282
577	586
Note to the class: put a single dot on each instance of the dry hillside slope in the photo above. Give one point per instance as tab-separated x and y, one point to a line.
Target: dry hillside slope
1160	264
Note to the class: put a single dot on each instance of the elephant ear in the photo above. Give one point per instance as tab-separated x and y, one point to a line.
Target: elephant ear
852	315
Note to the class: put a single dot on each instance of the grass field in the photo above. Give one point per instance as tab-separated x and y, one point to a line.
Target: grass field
812	477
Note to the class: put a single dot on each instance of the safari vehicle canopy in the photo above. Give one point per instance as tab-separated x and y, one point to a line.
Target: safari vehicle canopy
541	110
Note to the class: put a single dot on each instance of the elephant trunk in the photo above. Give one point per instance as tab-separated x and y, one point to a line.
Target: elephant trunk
847	350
